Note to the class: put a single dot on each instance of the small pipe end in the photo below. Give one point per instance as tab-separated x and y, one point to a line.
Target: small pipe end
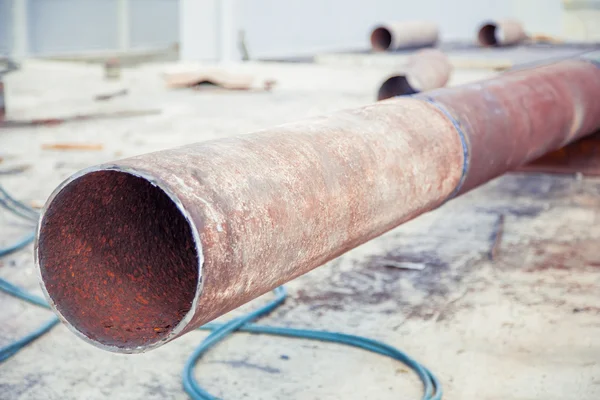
381	39
397	85
487	35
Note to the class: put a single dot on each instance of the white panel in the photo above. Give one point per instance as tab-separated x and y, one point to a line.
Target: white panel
154	23
540	16
72	26
6	27
198	30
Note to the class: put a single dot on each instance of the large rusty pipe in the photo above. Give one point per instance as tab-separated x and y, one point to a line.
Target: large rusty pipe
135	253
503	32
427	69
404	35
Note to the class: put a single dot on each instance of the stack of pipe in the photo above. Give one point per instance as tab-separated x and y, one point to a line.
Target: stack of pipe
135	253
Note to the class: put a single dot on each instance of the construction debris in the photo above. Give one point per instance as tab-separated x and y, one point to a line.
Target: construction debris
216	79
404	265
75	118
108	96
73	146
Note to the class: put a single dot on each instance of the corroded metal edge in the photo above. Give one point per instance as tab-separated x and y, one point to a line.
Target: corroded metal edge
183	324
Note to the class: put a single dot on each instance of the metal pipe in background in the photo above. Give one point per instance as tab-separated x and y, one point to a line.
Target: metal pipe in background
425	70
135	253
503	32
404	35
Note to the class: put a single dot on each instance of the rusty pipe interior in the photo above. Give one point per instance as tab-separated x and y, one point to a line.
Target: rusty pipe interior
120	230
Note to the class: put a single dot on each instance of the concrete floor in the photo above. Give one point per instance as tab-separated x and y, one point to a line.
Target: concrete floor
525	326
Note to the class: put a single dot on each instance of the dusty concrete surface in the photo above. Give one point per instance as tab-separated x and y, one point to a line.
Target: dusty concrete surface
525	326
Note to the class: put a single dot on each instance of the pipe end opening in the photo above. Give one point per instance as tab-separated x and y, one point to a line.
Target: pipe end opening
118	260
381	39
487	35
395	86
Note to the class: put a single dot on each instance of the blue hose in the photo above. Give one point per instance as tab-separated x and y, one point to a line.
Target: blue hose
18	208
10	350
13	348
431	385
17	246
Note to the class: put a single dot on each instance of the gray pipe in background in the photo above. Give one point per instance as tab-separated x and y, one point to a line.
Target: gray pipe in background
404	35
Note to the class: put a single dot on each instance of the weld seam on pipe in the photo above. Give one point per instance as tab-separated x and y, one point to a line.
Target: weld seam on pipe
463	141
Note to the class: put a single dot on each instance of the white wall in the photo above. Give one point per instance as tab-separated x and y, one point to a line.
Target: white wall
153	23
198	25
68	26
540	16
56	27
282	28
6	27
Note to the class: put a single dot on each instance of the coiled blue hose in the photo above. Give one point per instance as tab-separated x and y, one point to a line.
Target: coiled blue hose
431	385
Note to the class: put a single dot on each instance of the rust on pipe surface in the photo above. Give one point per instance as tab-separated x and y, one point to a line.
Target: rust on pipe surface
425	70
522	115
404	35
135	253
502	32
